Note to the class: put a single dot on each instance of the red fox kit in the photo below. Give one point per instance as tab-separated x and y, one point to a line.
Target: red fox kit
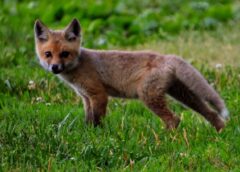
147	76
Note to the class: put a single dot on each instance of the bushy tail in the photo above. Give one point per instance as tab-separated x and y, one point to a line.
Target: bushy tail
190	77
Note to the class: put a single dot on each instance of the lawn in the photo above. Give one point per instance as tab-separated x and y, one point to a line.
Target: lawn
42	121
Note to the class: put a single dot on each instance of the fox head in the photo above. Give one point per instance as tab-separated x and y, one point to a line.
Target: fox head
58	50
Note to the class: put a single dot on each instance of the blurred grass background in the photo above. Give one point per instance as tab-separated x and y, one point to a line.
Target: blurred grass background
119	23
41	120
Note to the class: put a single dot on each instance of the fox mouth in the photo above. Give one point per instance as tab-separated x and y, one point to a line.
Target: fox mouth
57	72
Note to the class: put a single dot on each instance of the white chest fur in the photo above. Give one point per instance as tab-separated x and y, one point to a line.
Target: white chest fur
77	87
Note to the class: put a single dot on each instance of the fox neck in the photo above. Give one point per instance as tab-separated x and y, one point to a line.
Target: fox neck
77	62
67	74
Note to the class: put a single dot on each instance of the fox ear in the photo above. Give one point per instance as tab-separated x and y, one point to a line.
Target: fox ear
41	31
73	30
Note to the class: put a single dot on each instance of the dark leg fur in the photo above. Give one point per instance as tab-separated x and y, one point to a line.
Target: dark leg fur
159	107
95	109
180	92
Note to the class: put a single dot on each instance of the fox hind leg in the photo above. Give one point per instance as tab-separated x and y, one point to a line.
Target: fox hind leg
152	92
180	92
153	97
159	107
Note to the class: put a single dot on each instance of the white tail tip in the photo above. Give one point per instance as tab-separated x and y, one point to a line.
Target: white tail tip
225	114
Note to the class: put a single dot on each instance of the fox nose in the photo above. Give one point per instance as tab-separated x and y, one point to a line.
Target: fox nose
57	68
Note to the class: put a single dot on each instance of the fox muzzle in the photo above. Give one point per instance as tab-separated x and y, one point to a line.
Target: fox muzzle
57	68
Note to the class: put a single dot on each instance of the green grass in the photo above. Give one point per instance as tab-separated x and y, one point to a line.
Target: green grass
42	121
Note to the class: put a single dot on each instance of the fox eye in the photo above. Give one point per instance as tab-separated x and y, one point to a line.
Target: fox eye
48	54
64	54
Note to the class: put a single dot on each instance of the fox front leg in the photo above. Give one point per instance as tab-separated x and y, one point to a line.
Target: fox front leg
89	118
95	108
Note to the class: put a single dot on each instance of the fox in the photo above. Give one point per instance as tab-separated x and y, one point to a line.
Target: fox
96	75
